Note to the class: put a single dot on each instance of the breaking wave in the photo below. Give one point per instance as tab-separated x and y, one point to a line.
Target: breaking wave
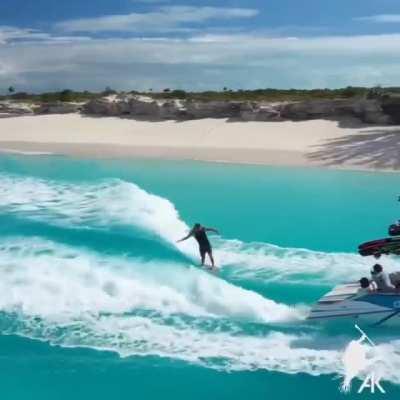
75	297
115	202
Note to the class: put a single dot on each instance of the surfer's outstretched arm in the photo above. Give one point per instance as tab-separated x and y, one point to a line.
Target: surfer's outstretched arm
186	237
212	230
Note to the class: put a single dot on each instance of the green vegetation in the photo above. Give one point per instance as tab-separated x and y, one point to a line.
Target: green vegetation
263	94
225	94
273	95
49	97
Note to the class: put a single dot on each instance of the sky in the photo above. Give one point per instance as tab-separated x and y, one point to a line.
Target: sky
50	45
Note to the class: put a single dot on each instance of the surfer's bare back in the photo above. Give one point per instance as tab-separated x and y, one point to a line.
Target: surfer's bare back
200	234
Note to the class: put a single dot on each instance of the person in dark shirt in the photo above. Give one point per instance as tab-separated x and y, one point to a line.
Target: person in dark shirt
200	234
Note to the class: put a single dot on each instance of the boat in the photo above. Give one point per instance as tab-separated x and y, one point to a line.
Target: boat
346	302
394	230
381	246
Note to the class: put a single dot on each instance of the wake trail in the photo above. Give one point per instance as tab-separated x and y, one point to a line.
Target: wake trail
75	297
115	202
131	336
48	279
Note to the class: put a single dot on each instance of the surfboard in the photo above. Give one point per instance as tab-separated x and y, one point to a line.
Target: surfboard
206	268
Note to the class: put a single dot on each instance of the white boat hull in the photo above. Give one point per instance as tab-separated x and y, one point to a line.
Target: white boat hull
344	303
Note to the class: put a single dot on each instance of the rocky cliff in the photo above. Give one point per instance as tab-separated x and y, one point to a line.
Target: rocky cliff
367	110
10	109
380	111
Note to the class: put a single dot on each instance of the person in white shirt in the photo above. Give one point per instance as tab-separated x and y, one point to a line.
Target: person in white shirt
381	278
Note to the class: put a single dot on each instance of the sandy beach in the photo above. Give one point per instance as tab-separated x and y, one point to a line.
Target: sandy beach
338	144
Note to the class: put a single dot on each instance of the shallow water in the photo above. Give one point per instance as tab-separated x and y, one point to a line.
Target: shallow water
98	300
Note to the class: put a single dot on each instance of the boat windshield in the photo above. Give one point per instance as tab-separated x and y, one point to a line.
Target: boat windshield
340	293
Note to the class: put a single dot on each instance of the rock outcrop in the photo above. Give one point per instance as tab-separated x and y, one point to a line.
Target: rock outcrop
143	107
381	110
106	107
371	112
252	111
367	110
58	107
12	109
134	106
308	110
391	107
212	109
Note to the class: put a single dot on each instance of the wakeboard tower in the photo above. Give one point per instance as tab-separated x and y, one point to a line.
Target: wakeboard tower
394	229
380	246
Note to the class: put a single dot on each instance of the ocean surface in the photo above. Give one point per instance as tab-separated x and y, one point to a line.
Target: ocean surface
98	301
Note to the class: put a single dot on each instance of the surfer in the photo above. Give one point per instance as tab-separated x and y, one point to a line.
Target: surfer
200	234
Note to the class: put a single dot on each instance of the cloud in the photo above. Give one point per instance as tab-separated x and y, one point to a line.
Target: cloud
163	19
9	34
202	62
380	18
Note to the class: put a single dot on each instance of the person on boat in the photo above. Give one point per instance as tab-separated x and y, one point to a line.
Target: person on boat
395	279
377	255
200	234
366	286
381	278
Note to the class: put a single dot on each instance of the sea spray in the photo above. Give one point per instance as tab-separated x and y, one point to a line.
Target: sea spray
47	279
115	202
80	294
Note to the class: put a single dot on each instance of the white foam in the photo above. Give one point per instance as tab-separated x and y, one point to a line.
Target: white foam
94	205
111	201
119	202
39	277
142	336
26	152
229	351
61	294
267	262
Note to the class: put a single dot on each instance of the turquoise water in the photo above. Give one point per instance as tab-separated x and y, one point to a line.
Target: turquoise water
98	301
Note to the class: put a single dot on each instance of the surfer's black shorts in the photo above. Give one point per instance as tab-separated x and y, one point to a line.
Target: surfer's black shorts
205	249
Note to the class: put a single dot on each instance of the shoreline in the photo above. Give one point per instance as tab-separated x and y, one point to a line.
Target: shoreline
313	143
114	152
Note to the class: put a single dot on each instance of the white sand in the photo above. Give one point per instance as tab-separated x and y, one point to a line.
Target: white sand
317	142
